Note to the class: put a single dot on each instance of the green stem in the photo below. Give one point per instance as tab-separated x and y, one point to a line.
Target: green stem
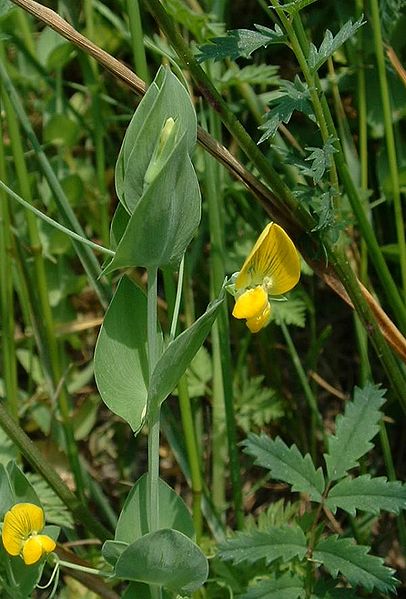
93	82
54	223
193	455
154	411
223	416
88	260
311	399
6	297
390	139
34	457
312	85
137	40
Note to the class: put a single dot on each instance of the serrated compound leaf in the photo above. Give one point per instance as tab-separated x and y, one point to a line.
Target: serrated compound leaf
284	542
167	558
286	464
368	495
354	430
120	359
290	312
165	218
320	159
287	586
240	43
178	355
133	521
355	564
331	44
294	96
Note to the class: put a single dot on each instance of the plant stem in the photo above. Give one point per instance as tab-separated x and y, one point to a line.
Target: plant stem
6	297
137	42
54	223
223	416
390	139
154	411
193	455
311	399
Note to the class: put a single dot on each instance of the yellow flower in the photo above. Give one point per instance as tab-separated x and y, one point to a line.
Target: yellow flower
20	535
272	268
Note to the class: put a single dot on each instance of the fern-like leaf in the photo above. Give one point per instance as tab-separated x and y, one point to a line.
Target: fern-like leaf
354	431
287	586
355	564
240	43
291	312
320	159
368	495
294	96
284	542
286	464
330	43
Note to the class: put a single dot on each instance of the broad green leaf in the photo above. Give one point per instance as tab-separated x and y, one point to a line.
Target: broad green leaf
367	494
119	224
355	564
284	542
120	359
133	521
165	218
112	550
165	98
330	43
354	431
286	464
240	42
286	586
293	96
23	491
178	355
167	558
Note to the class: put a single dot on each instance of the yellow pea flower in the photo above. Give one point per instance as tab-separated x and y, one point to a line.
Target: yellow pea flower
20	535
272	268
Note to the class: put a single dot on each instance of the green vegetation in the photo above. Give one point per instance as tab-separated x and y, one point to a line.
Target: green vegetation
177	451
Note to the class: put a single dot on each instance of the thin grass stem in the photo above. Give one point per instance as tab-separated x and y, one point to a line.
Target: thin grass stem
137	40
390	139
